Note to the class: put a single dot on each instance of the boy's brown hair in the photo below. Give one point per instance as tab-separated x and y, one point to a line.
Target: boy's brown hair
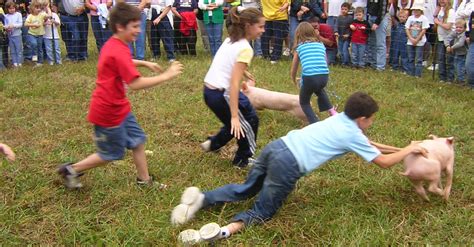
360	104
9	5
359	10
122	14
346	5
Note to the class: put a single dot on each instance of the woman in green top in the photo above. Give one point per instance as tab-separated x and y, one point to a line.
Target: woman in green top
213	16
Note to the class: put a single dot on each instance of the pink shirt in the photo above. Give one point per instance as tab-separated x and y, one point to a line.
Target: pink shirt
96	3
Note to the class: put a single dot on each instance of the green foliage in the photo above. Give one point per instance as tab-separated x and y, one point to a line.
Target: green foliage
346	202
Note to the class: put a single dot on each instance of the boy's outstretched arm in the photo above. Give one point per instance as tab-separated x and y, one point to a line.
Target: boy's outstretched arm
174	70
152	66
388	160
385	149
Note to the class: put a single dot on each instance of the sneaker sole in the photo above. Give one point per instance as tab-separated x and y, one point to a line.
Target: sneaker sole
191	202
189	237
210	231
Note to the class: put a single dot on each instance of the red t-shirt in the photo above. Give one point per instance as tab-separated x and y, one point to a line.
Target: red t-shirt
109	104
327	32
361	34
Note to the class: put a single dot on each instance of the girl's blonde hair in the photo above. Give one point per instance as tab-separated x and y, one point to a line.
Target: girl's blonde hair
304	33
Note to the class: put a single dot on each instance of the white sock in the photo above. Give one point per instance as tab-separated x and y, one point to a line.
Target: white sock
225	233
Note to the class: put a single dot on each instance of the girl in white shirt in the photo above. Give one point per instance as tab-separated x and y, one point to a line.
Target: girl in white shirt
222	86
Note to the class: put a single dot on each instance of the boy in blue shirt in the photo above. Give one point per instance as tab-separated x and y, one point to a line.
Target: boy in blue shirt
284	161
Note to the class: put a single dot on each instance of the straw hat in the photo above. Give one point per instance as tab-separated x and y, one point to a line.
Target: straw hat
419	5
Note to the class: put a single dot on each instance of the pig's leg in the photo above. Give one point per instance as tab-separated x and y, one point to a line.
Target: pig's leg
433	187
449	179
420	190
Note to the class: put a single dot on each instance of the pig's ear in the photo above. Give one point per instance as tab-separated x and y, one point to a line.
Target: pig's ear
450	140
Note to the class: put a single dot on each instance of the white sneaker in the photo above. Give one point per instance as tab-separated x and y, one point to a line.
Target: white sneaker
208	232
34	58
206	146
286	52
189	237
273	62
191	201
431	67
424	63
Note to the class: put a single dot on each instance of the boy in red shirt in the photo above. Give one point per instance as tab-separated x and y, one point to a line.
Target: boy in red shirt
115	126
360	33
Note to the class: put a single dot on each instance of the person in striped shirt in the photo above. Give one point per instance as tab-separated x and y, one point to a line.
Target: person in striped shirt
314	70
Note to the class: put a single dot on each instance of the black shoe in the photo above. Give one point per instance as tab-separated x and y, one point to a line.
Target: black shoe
70	176
240	162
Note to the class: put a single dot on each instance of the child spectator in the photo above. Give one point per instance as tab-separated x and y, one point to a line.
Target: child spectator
456	44
360	33
315	72
444	20
35	23
470	55
399	56
283	162
416	27
51	38
222	86
13	24
115	126
3	38
343	33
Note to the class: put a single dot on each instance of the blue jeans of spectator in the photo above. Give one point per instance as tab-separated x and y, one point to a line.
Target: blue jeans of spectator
53	53
294	22
331	21
164	32
398	49
217	102
74	32
16	49
257	47
277	30
2	66
358	52
35	44
415	60
377	44
470	65
445	63
138	48
24	35
273	177
101	34
343	47
214	32
331	55
459	67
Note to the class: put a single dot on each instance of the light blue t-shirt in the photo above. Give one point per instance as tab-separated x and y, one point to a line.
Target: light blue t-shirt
313	58
317	143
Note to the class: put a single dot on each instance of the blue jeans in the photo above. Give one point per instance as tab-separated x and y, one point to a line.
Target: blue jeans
101	34
35	44
74	32
377	46
343	47
139	51
398	51
278	30
470	64
24	34
445	63
257	47
293	25
217	102
459	67
16	49
53	55
111	142
2	66
415	60
332	21
214	32
273	177
164	32
331	55
358	52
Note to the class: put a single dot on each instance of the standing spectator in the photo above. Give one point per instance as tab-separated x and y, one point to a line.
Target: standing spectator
51	38
257	43
470	55
276	28
161	29
302	10
13	24
360	33
74	28
416	27
326	35
35	23
399	56
138	47
456	44
444	21
185	26
3	38
343	33
99	10
202	29
429	12
377	45
213	17
333	9
464	10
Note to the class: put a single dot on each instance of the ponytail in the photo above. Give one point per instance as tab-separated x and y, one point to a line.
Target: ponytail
237	19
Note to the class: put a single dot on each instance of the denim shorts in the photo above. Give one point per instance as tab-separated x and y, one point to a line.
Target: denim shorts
112	141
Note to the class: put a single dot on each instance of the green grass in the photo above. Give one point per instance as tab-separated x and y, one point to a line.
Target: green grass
346	202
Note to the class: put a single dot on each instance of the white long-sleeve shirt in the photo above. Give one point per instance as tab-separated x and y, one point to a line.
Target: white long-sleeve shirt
16	21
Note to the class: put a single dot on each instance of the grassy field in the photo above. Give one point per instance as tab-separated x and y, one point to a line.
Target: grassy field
346	202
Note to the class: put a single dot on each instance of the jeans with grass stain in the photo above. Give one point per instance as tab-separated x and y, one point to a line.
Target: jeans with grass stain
273	178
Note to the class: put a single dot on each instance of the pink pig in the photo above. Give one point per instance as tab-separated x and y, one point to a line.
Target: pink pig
440	158
266	99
